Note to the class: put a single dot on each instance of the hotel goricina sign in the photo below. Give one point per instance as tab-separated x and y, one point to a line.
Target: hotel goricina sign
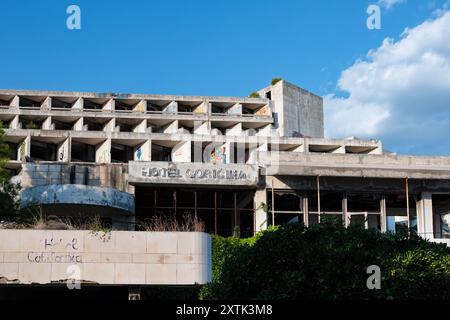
193	173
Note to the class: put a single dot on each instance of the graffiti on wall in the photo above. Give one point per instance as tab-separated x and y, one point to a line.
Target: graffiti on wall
50	254
218	155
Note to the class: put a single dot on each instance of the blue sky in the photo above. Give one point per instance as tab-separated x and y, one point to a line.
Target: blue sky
225	47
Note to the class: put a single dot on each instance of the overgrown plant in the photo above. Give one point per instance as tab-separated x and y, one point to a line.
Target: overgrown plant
188	223
276	80
327	261
9	191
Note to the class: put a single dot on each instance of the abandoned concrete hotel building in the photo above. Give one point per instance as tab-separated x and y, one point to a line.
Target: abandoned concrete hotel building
239	164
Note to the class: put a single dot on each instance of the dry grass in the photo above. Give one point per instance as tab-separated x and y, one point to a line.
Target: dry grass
188	223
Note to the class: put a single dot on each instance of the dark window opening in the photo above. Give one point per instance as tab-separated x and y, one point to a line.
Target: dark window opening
396	212
60	125
121	153
5	124
269	95
225	212
152	107
215	108
28	103
4	103
121	106
92	125
31	124
42	151
56	103
329	201
91	105
185	108
13	149
82	152
161	153
123	127
364	203
441	215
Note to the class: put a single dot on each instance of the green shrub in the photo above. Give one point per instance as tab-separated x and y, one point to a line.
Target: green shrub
327	261
31	125
276	80
254	95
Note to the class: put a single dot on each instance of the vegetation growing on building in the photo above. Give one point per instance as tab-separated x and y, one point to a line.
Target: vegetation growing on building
327	261
275	81
8	190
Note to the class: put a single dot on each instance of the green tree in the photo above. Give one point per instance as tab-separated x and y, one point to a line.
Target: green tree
8	191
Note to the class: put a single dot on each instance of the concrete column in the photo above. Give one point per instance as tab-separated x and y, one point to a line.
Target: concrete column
14	124
345	214
171	107
235	109
300	149
198	151
103	152
236	130
24	149
265	131
109	105
383	214
341	149
141	106
201	127
260	214
172	127
425	216
143	152
47	104
252	153
110	125
78	125
47	124
78	104
182	152
141	127
378	149
63	151
15	102
264	111
201	108
306	210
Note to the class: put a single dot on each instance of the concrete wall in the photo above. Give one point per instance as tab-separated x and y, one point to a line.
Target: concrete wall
106	175
303	112
356	165
118	257
79	195
296	110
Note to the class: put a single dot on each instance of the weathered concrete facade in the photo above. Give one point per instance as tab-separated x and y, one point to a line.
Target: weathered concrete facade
117	257
239	164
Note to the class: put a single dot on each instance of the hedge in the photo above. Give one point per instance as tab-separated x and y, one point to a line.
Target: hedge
327	261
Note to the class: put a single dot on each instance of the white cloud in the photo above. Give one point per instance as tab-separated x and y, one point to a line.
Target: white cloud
400	92
388	4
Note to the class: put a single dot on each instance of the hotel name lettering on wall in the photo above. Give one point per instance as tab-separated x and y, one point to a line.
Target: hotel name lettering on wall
158	172
221	174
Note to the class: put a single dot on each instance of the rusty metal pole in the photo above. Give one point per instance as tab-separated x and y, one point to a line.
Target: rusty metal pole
195	205
215	212
273	205
318	197
407	201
